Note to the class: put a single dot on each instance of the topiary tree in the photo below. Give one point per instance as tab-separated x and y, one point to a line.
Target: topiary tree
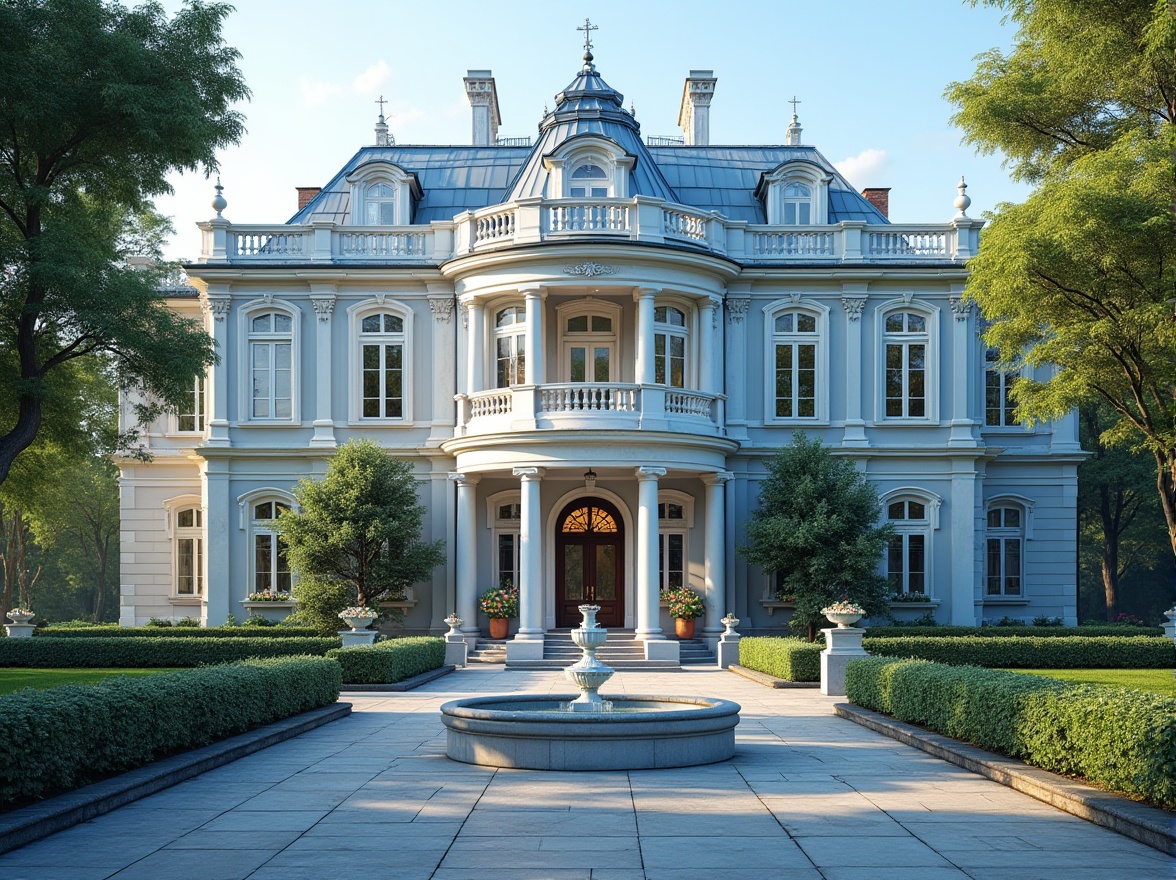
817	525
356	537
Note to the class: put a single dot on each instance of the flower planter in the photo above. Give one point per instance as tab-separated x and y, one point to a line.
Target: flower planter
684	627
358	622
20	617
499	627
843	620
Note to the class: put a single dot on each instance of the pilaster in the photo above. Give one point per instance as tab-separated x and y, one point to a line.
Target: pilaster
853	301
444	376
219	304
964	429
322	298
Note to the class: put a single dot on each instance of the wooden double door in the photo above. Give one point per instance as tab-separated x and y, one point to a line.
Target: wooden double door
589	563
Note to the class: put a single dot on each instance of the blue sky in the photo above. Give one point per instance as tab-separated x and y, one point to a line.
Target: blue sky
870	76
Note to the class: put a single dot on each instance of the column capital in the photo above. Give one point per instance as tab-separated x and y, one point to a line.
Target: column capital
529	474
218	305
464	479
960	307
324	305
533	290
853	305
640	293
717	479
649	473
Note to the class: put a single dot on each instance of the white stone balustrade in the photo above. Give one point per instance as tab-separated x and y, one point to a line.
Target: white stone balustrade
640	219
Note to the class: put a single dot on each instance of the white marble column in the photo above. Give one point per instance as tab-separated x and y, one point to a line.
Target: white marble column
645	365
715	549
322	298
853	300
528	642
466	560
536	373
218	305
648	608
475	356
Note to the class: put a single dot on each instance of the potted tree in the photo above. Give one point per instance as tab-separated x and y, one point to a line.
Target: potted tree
500	605
685	607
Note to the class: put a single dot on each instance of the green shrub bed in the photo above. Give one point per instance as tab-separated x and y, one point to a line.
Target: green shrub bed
1120	739
69	736
391	661
789	659
998	632
1077	652
175	632
50	653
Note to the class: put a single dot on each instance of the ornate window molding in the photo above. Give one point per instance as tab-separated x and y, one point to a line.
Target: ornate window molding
796	360
269	378
184	525
382	194
909	560
1008	525
379	334
907	367
675	357
588	166
267	568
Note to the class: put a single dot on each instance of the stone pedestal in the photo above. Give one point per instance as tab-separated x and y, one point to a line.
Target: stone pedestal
521	649
728	644
1169	629
354	637
20	630
456	652
842	645
663	649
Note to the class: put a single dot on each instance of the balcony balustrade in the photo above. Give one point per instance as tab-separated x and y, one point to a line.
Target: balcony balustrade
640	219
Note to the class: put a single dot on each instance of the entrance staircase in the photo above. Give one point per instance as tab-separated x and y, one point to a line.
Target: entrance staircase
622	652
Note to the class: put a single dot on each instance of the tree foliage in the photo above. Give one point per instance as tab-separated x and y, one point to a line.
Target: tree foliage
1078	282
99	103
356	537
817	525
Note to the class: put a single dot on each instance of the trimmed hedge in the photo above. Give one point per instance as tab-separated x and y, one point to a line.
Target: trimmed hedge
391	661
175	632
1121	739
902	632
65	737
73	653
789	659
1076	652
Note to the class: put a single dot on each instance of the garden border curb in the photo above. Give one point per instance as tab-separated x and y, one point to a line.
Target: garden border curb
407	685
1149	825
770	680
27	824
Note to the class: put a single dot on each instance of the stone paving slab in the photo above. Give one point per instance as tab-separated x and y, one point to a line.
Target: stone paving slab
808	796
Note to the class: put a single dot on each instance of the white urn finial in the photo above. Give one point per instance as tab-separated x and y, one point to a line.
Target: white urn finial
219	203
962	201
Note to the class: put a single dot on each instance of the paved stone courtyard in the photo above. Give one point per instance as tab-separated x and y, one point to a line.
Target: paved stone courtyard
808	795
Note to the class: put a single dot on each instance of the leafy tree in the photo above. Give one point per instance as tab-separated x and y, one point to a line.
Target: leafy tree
356	537
817	525
1080	278
99	103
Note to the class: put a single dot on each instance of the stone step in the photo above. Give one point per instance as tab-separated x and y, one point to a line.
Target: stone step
621	651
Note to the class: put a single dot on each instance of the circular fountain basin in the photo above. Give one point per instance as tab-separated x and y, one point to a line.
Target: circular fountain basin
638	733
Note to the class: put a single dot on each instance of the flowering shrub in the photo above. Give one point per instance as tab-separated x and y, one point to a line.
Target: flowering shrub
500	603
358	611
685	604
782	596
1130	619
909	597
843	607
267	596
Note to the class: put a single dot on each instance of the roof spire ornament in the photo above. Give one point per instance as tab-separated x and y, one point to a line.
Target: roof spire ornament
588	28
962	201
219	203
792	138
383	138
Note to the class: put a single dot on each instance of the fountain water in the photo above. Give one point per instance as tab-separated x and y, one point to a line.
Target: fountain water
587	732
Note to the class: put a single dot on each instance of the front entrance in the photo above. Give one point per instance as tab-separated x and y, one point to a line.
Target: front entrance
589	563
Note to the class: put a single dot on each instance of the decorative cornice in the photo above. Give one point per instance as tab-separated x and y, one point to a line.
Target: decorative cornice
853	305
442	309
960	307
589	269
323	307
737	308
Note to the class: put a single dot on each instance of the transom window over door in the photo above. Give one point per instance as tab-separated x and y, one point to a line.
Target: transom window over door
271	362
271	571
510	336
669	346
382	365
906	342
794	344
589	348
906	557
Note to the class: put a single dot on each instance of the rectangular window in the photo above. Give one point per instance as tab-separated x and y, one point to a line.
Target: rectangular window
383	376
192	419
1003	576
671	560
508	559
263	577
669	360
272	380
906	380
512	361
906	563
998	403
189	566
796	380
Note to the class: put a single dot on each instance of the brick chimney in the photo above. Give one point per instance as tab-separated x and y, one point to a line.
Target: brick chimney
694	111
879	197
305	194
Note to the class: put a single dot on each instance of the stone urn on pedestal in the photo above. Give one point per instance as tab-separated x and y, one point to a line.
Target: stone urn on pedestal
359	619
842	644
21	626
1169	624
456	649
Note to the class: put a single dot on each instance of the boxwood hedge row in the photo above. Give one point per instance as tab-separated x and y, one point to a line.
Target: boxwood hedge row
1075	652
391	661
1121	739
51	653
900	632
65	737
786	658
175	632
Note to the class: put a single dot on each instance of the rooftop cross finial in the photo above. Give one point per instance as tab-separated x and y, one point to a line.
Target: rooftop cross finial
588	28
794	102
381	102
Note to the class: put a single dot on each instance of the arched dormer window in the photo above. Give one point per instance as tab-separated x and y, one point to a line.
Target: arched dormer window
379	205
382	194
589	180
796	194
588	166
797	202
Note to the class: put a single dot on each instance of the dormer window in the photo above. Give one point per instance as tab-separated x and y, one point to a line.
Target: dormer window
589	180
796	194
798	204
380	205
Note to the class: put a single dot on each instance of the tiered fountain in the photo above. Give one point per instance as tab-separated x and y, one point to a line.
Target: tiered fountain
587	732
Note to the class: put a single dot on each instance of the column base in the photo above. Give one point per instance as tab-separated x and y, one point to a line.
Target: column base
855	433
456	653
324	433
521	649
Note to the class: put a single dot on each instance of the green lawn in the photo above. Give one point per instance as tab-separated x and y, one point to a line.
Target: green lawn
15	679
1158	681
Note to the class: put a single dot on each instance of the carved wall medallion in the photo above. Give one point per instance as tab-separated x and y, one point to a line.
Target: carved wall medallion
588	269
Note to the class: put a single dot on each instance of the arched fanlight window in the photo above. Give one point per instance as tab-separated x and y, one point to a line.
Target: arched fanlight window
587	180
797	201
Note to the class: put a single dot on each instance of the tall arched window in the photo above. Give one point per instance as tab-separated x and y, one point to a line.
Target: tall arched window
510	334
188	538
587	180
797	202
271	360
379	205
669	346
906	341
794	345
271	571
907	556
1004	556
998	404
381	341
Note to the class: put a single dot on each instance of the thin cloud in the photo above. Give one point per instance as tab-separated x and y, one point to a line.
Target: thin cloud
316	92
867	168
374	77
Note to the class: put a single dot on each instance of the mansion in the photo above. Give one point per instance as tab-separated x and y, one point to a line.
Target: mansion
588	346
